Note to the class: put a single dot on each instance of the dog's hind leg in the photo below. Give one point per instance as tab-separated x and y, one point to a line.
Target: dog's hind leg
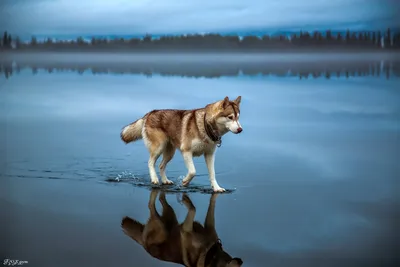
154	231
168	214
187	225
168	154
152	203
155	141
152	170
188	158
187	229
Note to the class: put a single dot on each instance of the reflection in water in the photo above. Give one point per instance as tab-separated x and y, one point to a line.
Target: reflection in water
212	68
188	243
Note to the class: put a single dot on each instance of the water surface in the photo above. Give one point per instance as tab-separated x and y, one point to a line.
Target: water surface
314	175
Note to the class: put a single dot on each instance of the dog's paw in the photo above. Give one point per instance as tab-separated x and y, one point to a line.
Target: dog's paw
218	189
185	183
167	182
155	182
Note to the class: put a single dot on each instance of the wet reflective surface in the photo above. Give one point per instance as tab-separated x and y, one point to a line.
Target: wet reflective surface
313	176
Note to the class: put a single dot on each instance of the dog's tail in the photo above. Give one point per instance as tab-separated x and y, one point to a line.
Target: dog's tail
132	132
133	229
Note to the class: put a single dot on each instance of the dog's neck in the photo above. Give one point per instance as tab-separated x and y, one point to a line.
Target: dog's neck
212	130
209	254
212	252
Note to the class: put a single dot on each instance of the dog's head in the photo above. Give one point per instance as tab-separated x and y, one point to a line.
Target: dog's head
216	256
223	259
227	114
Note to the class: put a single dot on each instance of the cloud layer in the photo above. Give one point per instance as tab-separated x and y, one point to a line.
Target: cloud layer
180	16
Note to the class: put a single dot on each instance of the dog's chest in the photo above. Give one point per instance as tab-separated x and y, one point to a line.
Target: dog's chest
200	147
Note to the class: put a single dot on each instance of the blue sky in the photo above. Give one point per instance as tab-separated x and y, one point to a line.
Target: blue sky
74	17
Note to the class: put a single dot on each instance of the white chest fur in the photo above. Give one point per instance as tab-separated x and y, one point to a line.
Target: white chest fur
199	147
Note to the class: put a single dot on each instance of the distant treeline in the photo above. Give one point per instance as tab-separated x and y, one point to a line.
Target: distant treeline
307	40
308	69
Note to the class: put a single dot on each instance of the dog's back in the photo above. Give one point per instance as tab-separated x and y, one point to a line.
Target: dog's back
164	125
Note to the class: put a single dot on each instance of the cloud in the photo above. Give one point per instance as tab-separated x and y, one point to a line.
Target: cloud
179	16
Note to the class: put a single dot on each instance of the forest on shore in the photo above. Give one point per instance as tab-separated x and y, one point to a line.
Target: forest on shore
327	40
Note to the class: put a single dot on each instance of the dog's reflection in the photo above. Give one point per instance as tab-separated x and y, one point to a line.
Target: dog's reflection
188	243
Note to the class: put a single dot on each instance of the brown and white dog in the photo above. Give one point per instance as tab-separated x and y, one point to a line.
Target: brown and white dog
194	132
189	243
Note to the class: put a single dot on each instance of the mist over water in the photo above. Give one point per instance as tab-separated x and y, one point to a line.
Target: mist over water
313	176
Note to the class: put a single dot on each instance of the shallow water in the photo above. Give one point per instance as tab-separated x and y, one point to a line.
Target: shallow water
313	178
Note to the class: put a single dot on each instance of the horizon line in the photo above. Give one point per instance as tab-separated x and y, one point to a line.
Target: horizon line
259	33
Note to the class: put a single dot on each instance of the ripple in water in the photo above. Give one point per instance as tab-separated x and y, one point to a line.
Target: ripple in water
130	178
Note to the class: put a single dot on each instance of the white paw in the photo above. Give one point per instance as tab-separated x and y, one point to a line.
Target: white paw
167	182
185	183
218	189
155	182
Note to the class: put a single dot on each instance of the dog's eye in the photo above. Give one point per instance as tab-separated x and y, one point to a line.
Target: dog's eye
230	117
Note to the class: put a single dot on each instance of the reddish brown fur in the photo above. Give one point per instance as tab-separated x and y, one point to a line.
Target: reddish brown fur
186	243
166	124
166	130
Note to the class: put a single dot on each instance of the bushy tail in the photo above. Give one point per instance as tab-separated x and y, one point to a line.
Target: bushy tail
133	229
132	132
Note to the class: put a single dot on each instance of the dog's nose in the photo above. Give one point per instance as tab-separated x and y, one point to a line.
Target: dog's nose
239	130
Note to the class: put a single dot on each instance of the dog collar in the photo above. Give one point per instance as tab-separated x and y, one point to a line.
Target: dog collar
211	133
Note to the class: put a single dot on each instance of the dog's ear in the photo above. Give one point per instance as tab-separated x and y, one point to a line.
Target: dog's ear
225	103
237	100
235	262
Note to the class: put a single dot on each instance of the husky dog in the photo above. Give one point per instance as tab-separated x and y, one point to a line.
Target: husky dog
189	243
194	132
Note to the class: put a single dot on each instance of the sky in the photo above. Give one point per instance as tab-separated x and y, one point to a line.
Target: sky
121	17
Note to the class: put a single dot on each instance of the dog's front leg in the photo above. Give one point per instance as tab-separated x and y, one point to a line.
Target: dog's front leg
209	222
188	158
187	230
210	158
